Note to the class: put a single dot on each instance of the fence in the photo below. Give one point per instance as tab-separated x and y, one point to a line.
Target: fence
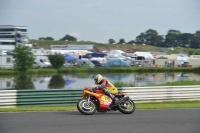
161	93
64	97
39	97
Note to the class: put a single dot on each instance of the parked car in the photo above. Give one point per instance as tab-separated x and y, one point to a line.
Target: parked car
67	64
40	64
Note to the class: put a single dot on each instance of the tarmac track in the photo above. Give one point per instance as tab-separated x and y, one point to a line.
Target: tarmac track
141	121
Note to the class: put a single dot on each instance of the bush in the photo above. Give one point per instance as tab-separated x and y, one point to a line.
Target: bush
57	60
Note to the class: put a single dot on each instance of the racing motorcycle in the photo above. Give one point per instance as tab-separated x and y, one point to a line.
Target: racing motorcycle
95	100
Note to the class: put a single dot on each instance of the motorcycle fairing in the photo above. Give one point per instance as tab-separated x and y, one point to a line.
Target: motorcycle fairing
104	100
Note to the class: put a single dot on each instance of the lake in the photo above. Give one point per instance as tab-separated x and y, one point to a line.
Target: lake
78	81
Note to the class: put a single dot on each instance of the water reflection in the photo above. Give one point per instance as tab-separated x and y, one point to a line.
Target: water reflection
56	82
22	81
78	81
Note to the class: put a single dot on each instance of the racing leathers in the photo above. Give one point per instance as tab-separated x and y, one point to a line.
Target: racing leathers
108	88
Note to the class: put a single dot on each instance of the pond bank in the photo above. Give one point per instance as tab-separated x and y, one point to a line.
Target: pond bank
100	70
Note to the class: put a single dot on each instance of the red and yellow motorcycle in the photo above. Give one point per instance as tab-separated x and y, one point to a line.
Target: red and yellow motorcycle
93	101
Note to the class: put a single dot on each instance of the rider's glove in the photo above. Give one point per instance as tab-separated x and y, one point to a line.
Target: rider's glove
95	88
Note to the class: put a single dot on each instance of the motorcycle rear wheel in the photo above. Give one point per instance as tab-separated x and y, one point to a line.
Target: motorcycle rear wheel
127	107
86	108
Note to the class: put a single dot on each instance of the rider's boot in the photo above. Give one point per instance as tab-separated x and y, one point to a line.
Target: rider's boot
117	101
113	99
112	104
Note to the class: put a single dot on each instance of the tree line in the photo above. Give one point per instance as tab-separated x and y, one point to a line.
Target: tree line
65	38
173	38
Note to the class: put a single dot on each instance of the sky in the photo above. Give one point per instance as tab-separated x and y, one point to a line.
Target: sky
100	20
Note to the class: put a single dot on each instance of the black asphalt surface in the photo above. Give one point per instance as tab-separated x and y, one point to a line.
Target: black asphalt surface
141	121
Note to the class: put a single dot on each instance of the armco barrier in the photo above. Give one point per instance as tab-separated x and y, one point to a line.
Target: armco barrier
8	97
160	93
50	97
39	97
64	97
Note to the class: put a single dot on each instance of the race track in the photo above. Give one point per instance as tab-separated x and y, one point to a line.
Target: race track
141	121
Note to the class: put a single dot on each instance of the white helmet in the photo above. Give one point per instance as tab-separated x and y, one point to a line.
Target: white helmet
97	78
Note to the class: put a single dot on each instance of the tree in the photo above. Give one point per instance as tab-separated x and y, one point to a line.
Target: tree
195	43
121	41
160	41
173	38
140	39
68	38
111	41
197	34
131	42
185	39
47	38
57	60
23	58
151	37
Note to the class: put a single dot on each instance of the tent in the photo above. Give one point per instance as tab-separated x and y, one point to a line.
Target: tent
116	53
181	59
117	63
90	55
70	58
162	57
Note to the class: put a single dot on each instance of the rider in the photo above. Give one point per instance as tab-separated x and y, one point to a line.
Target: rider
108	88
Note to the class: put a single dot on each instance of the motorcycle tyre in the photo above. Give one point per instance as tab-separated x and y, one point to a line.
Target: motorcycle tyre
84	112
125	111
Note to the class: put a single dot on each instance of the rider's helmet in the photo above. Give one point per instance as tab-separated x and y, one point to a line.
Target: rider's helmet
97	78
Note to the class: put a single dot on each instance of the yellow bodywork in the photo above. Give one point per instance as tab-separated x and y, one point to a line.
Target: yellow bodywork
86	92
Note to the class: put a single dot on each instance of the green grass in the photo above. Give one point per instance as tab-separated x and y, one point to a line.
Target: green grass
169	104
38	108
176	83
150	105
179	83
123	84
101	46
102	70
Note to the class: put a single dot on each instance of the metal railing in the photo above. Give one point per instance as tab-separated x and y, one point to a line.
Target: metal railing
162	93
64	97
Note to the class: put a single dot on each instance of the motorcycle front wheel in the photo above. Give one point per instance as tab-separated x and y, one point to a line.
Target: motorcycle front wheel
127	106
85	107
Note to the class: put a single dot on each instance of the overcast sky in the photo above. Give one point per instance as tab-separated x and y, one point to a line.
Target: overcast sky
100	20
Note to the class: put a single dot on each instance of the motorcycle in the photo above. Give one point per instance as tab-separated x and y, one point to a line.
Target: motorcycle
93	101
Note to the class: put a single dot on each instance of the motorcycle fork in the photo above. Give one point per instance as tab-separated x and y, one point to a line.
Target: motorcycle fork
88	99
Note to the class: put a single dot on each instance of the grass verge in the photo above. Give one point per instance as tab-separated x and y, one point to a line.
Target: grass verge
149	105
101	70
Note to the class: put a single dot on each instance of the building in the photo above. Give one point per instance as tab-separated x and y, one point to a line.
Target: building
6	62
11	35
72	47
40	52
